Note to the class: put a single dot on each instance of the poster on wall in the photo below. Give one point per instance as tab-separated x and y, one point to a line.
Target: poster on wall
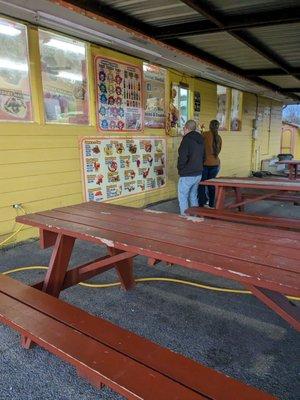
117	167
119	96
236	110
155	94
197	106
222	110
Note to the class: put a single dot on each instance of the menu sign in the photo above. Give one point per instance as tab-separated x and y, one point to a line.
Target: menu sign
116	167
119	96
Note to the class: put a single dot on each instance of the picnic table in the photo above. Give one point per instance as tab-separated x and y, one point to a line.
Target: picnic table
292	166
274	189
264	260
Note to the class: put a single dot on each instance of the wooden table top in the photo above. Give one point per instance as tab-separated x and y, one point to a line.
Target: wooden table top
252	254
267	184
293	162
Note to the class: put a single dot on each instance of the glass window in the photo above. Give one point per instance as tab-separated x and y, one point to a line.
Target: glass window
64	76
183	106
222	107
15	98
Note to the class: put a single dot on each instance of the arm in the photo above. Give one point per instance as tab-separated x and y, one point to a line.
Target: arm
183	154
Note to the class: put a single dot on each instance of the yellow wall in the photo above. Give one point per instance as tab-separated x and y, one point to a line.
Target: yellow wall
40	163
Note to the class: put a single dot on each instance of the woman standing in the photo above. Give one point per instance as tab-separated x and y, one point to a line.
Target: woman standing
213	145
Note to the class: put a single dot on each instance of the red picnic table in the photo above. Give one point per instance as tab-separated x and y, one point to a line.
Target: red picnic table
266	261
274	189
293	167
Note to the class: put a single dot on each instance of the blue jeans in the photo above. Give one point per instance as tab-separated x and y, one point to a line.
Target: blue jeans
207	192
188	192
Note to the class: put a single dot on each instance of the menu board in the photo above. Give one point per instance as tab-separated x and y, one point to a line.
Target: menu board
119	96
155	94
117	167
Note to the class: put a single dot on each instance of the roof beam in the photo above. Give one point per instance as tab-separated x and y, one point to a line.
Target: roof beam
195	51
293	89
212	14
99	8
270	72
253	20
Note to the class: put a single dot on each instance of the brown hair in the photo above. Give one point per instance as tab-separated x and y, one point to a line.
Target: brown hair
213	127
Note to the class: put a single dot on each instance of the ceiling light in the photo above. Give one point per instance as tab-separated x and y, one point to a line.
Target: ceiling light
70	76
66	46
9	30
8	64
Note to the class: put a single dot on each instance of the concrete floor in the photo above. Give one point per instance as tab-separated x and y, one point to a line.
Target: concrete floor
234	334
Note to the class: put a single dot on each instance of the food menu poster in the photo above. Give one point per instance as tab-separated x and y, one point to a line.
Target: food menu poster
119	96
117	167
155	94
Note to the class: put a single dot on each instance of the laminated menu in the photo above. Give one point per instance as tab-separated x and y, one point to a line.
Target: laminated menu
116	167
119	96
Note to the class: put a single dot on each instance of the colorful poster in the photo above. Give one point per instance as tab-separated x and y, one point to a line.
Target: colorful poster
117	167
222	107
236	110
15	98
197	106
155	94
119	96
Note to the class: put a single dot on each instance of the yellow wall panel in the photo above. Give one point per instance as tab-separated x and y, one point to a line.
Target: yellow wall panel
40	163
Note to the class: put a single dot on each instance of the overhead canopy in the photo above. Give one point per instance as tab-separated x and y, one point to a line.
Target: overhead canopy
256	39
252	45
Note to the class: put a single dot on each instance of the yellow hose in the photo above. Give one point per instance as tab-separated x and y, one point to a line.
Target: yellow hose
14	233
107	285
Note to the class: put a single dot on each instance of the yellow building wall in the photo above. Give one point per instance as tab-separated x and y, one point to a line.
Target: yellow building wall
40	163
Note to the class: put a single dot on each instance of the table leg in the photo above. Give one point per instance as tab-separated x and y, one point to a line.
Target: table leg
220	197
59	263
278	303
239	197
124	269
56	272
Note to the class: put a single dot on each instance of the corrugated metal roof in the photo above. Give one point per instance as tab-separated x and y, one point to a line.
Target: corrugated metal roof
236	7
157	12
228	48
283	81
282	39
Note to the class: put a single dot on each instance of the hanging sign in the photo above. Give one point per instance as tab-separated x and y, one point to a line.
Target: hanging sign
116	167
119	96
155	94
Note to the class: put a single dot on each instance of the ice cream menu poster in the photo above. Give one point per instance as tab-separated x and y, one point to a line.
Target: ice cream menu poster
115	167
119	96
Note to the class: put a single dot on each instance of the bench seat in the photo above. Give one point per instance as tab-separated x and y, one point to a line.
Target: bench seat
106	354
242	217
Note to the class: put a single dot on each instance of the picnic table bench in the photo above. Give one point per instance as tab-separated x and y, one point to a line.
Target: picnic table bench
292	166
255	219
106	354
264	260
274	189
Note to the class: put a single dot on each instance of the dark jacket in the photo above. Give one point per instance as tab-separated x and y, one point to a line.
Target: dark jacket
191	154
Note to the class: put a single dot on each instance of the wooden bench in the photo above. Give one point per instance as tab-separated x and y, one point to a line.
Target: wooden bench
106	354
242	217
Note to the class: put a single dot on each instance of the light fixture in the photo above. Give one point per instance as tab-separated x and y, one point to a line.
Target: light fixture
8	64
9	30
102	37
66	46
70	76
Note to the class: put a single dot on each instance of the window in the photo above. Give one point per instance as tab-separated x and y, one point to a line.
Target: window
222	107
183	105
15	97
236	110
64	76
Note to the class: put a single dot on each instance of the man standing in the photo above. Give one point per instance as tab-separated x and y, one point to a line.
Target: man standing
190	166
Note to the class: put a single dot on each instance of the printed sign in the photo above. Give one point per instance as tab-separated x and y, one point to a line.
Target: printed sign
155	93
116	167
119	96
